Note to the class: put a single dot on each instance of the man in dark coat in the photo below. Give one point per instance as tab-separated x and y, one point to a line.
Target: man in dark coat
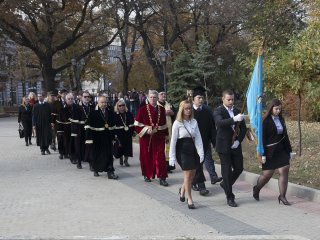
41	119
203	115
82	112
57	105
99	133
65	120
228	143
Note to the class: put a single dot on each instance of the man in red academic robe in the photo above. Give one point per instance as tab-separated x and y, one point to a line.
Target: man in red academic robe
152	130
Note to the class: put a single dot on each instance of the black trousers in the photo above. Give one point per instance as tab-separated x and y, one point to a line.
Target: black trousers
199	177
231	168
27	126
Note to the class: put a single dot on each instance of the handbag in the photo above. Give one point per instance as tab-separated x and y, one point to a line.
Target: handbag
21	131
117	149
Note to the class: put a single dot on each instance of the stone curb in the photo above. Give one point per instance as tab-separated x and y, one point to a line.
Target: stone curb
296	190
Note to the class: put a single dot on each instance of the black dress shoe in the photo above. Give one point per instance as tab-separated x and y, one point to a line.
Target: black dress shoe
27	144
255	193
60	156
146	179
204	192
216	179
96	174
195	187
111	175
232	203
47	151
79	166
191	206
163	182
43	153
30	143
91	168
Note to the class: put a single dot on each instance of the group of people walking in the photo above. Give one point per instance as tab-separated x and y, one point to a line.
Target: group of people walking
97	133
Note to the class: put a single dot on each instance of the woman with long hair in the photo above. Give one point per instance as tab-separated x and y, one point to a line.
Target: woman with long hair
277	151
32	101
186	148
25	117
124	129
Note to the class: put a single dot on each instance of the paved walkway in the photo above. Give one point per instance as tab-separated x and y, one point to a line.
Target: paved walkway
42	197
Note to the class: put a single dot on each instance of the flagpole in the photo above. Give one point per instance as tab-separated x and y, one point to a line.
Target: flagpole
237	127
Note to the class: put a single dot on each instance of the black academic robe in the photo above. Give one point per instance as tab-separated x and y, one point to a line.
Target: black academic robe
77	129
42	121
65	117
124	129
99	133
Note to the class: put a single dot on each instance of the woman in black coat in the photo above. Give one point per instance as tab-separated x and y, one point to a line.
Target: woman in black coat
124	130
25	117
277	151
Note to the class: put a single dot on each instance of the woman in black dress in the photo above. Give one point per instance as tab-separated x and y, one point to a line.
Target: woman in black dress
186	148
25	117
277	151
124	130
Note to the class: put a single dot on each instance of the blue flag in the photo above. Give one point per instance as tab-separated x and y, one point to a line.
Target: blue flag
254	103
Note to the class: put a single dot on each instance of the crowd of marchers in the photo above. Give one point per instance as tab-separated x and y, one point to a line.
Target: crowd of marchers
96	130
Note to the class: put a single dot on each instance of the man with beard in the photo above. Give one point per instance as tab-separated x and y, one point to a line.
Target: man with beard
99	133
41	120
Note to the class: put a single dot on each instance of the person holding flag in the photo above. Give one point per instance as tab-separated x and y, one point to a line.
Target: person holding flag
231	130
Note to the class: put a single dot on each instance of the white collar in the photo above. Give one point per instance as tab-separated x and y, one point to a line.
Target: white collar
229	109
196	108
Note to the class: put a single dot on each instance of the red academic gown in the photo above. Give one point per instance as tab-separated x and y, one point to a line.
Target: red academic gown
152	148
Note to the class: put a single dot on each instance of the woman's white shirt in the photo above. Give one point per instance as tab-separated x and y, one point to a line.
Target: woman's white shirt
179	131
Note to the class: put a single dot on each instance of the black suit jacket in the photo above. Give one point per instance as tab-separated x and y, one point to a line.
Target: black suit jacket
224	129
271	136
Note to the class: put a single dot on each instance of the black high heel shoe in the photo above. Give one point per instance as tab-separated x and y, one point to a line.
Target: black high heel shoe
255	193
191	206
284	201
182	199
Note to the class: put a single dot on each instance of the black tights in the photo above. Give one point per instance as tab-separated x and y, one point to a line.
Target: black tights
282	181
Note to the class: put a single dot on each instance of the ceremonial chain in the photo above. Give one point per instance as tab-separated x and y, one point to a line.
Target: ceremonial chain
106	121
84	110
149	114
124	122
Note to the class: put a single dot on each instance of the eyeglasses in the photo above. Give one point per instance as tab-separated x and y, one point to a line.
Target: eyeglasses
86	96
120	105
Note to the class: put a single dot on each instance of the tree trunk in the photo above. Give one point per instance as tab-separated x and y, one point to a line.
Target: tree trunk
48	74
152	59
299	123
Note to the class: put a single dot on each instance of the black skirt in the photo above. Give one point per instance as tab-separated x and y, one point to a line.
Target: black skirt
279	159
186	153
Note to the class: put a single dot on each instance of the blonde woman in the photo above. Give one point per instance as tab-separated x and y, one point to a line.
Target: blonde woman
186	148
32	101
25	118
124	129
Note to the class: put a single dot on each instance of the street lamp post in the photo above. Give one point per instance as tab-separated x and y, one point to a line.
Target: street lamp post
77	67
220	62
163	55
